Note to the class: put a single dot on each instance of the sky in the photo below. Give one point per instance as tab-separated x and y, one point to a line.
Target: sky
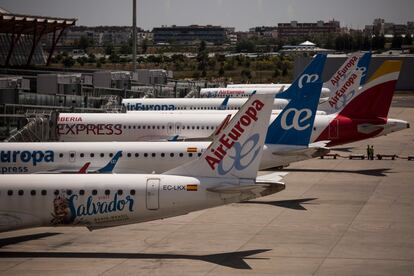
241	14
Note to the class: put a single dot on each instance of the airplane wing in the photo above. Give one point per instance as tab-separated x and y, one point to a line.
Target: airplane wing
265	185
314	150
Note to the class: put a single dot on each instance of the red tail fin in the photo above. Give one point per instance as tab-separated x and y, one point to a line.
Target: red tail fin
375	98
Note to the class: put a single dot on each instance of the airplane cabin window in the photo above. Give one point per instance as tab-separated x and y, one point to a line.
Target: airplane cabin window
153	127
143	127
111	154
119	192
172	154
198	127
33	192
60	155
72	155
43	192
82	155
20	192
129	127
163	127
125	127
199	154
10	192
153	154
81	192
56	192
129	154
92	155
162	154
190	155
94	192
102	154
145	154
181	154
107	192
136	154
68	192
132	192
139	127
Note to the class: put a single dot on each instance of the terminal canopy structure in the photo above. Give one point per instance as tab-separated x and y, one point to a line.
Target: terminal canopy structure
20	36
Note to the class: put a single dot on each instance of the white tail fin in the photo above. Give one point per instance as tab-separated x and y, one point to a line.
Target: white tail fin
238	149
343	94
346	68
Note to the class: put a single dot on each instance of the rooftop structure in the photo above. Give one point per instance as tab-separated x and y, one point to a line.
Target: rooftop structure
26	31
295	29
189	34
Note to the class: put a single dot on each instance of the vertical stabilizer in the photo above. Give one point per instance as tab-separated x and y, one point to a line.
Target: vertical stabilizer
238	149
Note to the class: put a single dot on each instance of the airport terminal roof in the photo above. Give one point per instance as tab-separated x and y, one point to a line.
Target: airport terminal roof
27	24
34	27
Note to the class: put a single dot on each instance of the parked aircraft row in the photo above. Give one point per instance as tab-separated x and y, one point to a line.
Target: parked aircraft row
232	102
167	176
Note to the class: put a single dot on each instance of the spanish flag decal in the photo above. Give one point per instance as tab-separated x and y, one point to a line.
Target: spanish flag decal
192	187
192	149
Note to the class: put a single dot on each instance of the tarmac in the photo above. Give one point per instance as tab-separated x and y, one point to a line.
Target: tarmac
335	217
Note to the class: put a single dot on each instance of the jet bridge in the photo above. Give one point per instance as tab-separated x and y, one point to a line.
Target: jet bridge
40	127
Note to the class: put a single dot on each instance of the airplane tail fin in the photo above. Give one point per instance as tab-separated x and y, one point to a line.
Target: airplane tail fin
293	126
111	165
374	99
224	104
343	71
237	151
363	65
312	73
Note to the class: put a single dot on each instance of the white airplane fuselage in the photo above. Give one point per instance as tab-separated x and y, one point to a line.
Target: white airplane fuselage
153	126
98	201
137	157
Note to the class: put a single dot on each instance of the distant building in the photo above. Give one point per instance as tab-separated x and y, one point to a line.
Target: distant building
304	47
265	31
380	27
189	34
295	29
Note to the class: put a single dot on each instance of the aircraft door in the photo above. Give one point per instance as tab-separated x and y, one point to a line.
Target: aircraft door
334	129
153	193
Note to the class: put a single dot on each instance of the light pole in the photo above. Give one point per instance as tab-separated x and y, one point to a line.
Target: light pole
134	35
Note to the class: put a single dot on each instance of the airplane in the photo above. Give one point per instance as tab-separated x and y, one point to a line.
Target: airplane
99	201
243	90
355	114
157	157
354	62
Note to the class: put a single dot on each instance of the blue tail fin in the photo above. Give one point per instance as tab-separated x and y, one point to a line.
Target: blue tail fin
224	104
293	126
111	165
311	74
363	64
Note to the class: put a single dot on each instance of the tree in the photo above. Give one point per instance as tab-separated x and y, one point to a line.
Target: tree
85	42
408	39
68	62
109	49
396	42
202	56
114	58
125	49
245	46
144	46
221	70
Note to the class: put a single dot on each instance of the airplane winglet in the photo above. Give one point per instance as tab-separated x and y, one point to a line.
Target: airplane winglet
84	168
111	165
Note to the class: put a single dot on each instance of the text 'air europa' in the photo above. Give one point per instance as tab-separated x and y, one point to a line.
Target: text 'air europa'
228	139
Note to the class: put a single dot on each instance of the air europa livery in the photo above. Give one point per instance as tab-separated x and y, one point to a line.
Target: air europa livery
99	201
291	144
243	90
227	140
358	114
